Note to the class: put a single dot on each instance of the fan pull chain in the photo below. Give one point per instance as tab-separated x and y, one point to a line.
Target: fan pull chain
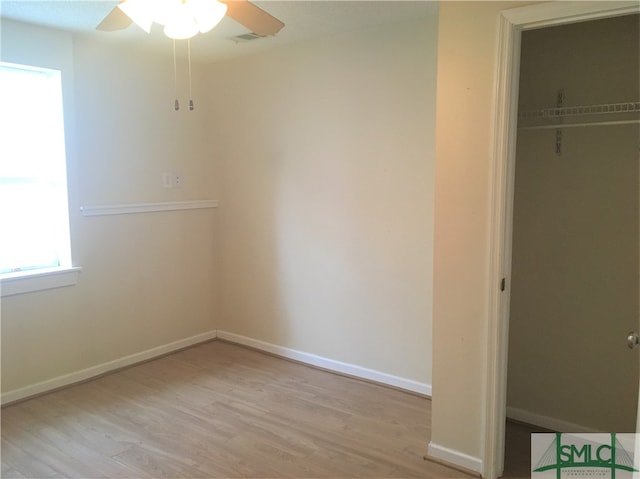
176	105
189	56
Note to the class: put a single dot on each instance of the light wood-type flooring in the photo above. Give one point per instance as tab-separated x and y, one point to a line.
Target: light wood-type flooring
221	410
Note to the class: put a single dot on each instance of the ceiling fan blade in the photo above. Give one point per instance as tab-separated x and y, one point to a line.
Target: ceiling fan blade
253	17
115	20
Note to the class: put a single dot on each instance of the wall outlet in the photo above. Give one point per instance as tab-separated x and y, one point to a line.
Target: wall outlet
171	180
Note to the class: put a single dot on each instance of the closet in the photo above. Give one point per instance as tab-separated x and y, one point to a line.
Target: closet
575	272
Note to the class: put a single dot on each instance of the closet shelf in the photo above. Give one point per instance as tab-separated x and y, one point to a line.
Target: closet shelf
604	114
582	110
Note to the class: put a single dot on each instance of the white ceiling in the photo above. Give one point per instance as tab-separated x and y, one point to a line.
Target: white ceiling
303	20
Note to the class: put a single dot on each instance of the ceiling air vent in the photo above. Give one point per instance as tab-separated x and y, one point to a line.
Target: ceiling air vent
247	37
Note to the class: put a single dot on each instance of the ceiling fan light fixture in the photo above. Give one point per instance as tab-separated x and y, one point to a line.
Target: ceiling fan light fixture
181	28
162	11
140	11
207	13
181	24
181	18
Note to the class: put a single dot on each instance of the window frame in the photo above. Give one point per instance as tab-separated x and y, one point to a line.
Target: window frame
47	276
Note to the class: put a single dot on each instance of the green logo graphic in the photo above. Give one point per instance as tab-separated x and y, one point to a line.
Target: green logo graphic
584	455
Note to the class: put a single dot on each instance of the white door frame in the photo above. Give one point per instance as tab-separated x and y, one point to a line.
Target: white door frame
511	23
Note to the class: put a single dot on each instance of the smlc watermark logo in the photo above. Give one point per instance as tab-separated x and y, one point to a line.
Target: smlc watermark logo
600	456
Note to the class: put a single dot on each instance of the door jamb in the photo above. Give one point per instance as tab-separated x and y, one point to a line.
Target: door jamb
511	23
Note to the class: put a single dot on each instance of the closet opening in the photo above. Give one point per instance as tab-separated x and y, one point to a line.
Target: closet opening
574	289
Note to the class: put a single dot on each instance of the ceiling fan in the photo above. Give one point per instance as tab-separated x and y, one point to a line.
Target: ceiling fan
185	18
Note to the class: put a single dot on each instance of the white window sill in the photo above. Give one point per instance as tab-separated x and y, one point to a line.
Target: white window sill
38	280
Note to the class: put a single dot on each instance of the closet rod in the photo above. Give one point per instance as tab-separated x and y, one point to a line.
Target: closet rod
574	125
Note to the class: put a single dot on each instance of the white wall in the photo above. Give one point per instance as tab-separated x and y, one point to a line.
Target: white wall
147	280
326	151
574	292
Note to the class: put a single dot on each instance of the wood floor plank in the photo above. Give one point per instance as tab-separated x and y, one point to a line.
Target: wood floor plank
219	411
21	461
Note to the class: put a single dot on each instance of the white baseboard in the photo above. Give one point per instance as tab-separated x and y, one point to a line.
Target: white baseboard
88	373
454	458
307	358
329	364
552	423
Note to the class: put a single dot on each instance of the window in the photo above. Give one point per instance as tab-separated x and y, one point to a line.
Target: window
34	218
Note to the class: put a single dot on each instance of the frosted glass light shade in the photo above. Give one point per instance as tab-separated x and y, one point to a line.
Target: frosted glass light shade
164	10
140	11
207	13
181	18
181	27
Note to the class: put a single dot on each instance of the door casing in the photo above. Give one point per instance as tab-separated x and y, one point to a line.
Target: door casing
511	23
